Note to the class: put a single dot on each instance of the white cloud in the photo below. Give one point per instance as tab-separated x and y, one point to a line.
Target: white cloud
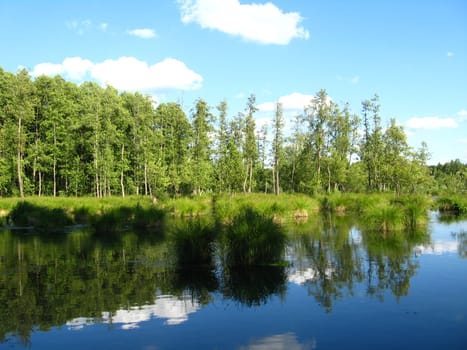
430	123
261	23
73	67
79	27
292	102
144	33
104	26
355	79
462	115
449	54
126	73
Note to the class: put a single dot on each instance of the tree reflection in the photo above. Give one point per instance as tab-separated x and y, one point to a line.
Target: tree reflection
334	261
253	285
47	282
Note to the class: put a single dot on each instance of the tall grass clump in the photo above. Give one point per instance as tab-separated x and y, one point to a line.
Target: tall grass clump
452	204
384	219
111	220
147	218
26	214
193	242
253	239
415	209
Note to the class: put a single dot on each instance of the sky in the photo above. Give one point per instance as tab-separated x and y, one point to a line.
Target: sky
412	53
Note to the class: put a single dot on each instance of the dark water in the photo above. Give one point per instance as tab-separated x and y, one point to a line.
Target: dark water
344	289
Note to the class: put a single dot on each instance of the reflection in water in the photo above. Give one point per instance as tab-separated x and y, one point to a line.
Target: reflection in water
287	341
253	286
81	279
437	247
174	310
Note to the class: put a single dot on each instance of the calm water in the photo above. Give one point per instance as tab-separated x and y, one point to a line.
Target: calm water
342	290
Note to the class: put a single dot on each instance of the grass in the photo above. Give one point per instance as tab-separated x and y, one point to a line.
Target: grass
253	239
282	208
383	212
193	242
452	204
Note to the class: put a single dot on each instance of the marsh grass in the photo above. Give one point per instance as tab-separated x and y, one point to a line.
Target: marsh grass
285	207
384	219
26	214
193	241
402	213
253	239
452	204
188	206
415	209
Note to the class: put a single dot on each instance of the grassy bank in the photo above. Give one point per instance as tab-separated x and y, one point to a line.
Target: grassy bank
380	212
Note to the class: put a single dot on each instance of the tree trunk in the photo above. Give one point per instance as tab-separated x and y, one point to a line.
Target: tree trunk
122	185
39	193
19	155
250	177
54	172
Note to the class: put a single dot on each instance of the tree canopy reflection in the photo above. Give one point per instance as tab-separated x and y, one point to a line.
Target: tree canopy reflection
47	282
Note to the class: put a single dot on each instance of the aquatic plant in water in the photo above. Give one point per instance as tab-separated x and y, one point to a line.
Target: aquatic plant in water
253	238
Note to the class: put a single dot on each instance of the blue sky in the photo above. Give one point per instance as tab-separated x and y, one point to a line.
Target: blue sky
413	54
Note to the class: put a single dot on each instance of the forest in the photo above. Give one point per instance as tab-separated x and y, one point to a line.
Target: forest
58	138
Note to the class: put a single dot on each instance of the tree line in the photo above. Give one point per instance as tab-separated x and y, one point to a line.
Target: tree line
60	138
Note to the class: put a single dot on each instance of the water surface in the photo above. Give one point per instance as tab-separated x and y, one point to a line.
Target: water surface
343	289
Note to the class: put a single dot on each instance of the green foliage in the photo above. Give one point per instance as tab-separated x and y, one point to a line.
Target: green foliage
252	239
58	138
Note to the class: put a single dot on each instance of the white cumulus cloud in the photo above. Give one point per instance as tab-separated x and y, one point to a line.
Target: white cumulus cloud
293	102
261	23
126	73
430	123
143	33
72	67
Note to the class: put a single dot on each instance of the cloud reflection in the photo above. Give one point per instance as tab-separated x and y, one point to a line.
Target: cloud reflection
174	310
438	248
286	341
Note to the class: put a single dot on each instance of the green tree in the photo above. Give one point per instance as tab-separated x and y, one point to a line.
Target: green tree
371	148
22	110
317	115
277	147
201	148
250	147
176	138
